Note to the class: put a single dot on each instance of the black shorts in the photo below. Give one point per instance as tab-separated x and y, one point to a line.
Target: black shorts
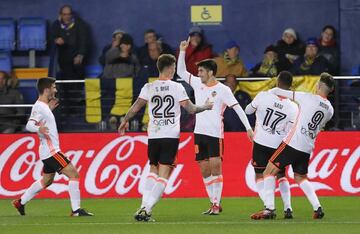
163	151
261	156
55	163
208	146
286	155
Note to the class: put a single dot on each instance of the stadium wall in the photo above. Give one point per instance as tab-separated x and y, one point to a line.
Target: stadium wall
253	23
115	166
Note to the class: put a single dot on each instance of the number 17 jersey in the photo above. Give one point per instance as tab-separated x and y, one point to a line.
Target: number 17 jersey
163	97
274	118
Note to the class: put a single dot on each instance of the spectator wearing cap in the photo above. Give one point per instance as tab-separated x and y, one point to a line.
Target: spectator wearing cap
229	62
150	37
115	41
329	49
269	66
311	63
289	48
197	50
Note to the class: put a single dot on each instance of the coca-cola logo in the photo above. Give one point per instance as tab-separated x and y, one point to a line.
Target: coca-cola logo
114	166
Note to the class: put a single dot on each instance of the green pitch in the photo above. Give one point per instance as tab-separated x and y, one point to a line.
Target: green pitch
179	216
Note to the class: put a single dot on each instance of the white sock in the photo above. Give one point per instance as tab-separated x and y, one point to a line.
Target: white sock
74	193
149	184
260	189
269	192
284	187
309	191
209	187
156	193
217	188
31	192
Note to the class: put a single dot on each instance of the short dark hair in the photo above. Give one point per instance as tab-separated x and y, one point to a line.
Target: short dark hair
164	61
150	31
285	79
330	27
65	6
44	83
209	65
328	80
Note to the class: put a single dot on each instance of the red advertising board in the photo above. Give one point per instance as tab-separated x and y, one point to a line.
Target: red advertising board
115	166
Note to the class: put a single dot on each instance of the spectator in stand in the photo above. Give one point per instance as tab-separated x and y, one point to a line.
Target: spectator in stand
119	62
269	66
311	63
150	36
231	119
229	62
10	118
71	38
328	48
289	48
197	50
116	36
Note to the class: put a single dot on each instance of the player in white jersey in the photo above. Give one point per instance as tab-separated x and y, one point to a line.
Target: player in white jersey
314	112
42	121
274	118
209	129
164	98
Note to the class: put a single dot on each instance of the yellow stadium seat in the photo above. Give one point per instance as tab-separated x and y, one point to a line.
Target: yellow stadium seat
123	96
93	103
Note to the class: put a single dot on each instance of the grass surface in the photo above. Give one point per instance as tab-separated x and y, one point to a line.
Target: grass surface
179	216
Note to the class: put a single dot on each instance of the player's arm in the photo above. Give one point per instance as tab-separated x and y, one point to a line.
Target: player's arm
249	109
139	103
181	65
35	124
285	93
242	116
193	109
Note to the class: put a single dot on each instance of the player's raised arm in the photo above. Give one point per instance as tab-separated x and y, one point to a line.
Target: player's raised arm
282	92
193	109
138	104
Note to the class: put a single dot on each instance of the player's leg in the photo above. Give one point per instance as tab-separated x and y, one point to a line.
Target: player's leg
74	188
45	181
300	168
202	157
215	149
284	187
150	182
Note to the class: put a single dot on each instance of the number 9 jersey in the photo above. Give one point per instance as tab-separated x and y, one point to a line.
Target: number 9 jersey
314	112
163	97
274	118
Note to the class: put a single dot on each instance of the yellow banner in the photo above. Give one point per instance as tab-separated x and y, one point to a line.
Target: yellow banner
300	83
205	14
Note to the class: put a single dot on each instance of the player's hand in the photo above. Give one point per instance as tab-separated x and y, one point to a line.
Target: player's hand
184	44
78	59
208	104
59	41
43	129
123	127
250	134
53	103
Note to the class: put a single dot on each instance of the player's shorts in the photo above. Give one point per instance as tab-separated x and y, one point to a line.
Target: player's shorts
55	163
208	146
163	151
261	156
286	155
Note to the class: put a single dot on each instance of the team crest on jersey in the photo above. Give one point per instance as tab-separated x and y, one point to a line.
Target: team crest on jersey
213	94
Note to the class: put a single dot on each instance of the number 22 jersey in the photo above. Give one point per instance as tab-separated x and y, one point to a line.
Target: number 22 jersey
163	97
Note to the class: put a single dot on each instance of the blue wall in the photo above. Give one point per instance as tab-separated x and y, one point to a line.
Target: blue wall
253	23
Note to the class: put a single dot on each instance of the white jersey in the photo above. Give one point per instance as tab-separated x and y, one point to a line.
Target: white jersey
210	122
314	112
274	118
49	144
163	97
